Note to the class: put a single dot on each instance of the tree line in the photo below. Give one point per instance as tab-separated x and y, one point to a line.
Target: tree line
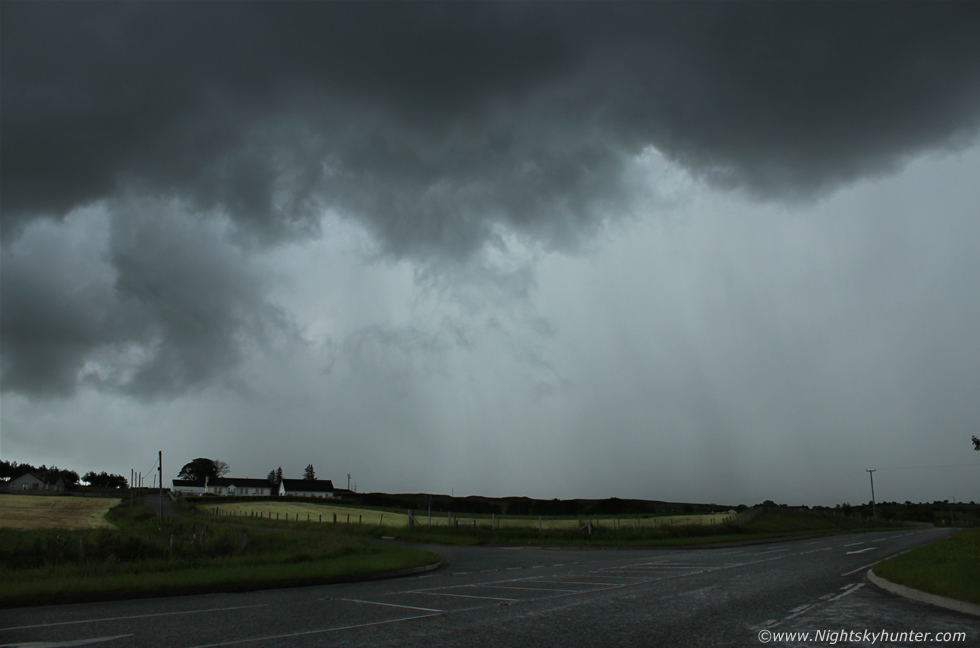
203	468
12	470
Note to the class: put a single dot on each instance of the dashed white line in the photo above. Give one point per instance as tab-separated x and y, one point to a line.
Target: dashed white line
575	582
406	607
803	553
515	587
861	551
853	571
849	591
489	598
66	644
314	632
135	616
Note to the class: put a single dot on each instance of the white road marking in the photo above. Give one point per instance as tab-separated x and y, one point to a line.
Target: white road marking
574	582
313	632
538	589
489	598
64	644
861	551
135	616
857	570
762	553
803	553
406	607
797	611
854	544
849	591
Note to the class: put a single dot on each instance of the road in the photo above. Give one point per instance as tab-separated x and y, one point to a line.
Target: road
507	598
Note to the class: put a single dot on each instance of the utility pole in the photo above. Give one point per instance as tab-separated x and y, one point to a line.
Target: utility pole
160	466
871	473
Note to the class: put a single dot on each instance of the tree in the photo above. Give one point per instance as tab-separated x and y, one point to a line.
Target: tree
71	478
279	475
976	443
202	468
271	476
309	474
221	467
105	480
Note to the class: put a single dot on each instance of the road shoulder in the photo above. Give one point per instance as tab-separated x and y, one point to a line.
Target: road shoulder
923	597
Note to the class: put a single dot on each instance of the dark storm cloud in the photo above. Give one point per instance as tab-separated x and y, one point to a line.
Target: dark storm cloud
166	308
432	125
429	121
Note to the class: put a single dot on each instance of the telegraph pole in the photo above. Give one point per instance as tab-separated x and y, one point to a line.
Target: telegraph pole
871	473
160	467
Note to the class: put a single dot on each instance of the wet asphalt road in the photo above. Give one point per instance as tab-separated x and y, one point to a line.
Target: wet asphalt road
507	598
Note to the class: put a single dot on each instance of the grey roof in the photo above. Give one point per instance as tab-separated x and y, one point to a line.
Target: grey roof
308	485
238	482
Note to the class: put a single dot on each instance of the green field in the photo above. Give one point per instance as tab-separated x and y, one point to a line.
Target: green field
138	555
54	511
324	513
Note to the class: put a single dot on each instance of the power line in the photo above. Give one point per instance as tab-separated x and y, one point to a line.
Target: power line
975	465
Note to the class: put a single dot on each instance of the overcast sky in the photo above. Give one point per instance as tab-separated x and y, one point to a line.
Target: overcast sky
681	251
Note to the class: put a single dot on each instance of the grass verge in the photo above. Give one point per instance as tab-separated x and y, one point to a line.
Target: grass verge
774	523
948	567
769	524
154	578
143	558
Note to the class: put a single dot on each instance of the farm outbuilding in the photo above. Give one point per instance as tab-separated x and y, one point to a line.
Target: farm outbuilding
32	482
231	486
248	487
306	488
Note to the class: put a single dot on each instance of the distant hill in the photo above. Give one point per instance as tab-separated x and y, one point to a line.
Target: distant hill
528	506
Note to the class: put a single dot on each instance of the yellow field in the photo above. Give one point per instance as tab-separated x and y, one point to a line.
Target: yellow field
54	512
302	512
